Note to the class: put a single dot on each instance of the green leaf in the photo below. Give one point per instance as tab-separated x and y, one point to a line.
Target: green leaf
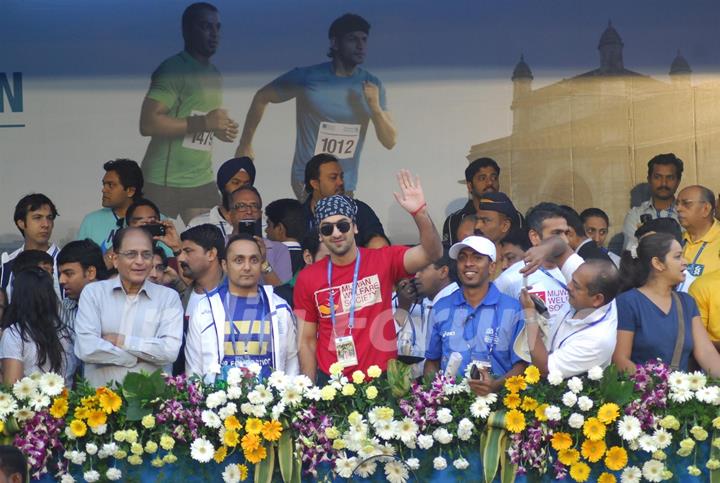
285	455
297	469
264	469
615	387
399	378
135	411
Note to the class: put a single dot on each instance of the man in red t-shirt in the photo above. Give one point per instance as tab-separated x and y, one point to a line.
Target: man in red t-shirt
344	300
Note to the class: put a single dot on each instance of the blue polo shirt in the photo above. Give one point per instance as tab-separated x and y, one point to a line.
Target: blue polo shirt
485	332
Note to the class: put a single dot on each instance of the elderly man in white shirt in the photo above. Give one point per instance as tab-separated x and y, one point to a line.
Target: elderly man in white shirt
128	324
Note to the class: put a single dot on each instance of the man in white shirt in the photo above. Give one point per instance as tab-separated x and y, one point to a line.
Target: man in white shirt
544	221
585	337
128	324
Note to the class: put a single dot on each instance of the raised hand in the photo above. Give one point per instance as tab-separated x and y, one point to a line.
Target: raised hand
411	196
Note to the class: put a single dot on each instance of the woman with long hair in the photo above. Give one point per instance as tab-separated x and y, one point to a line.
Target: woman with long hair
34	339
654	320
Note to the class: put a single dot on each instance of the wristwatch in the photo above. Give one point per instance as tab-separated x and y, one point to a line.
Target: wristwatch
266	267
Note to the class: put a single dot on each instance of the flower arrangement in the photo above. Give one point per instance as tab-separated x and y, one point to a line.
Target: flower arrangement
603	426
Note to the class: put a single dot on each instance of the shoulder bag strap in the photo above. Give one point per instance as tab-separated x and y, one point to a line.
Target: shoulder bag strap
680	341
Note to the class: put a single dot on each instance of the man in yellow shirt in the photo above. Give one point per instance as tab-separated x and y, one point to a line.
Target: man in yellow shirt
701	240
702	291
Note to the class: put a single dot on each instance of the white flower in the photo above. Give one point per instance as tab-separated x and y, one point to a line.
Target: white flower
77	457
211	419
254	367
425	441
552	413
68	433
260	395
490	399
631	474
696	380
234	392
442	436
385	429
234	376
8	404
585	403
681	395
461	463
406	430
480	409
23	414
25	388
279	380
595	373
465	429
291	396
259	411
99	430
396	472
277	410
629	428
113	474
555	378
678	380
313	393
214	368
215	399
91	476
444	416
344	466
246	408
413	463
662	438
108	449
39	401
366	469
202	450
91	448
653	470
51	384
575	384
303	381
439	463
708	395
576	420
231	474
227	411
67	478
569	399
647	443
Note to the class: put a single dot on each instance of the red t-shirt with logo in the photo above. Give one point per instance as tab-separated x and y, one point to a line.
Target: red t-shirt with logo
374	329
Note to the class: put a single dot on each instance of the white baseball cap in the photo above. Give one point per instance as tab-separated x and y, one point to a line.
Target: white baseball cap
478	243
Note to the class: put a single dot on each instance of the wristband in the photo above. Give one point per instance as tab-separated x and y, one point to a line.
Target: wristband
196	124
414	213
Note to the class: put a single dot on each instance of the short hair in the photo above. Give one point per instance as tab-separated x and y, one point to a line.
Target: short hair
573	220
85	252
30	259
130	175
594	212
247	188
12	461
606	280
120	235
311	243
208	236
541	212
660	225
32	202
192	11
241	237
347	23
158	250
518	237
478	164
290	213
312	168
666	159
446	261
137	203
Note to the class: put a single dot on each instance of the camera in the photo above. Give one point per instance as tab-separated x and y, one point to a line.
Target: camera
155	229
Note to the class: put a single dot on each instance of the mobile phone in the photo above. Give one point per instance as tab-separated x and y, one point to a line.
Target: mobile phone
155	229
539	304
247	227
475	372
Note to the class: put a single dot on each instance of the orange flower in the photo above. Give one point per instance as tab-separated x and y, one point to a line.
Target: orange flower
253	426
109	401
232	423
257	455
515	384
569	456
593	429
511	401
96	418
272	430
593	451
529	404
250	442
561	441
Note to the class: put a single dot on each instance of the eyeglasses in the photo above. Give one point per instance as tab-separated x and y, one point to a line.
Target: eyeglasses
133	254
160	268
327	229
246	207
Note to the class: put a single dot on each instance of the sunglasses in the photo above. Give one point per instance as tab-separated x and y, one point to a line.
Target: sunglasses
327	229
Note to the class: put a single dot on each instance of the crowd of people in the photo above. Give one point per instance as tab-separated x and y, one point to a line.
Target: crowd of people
323	284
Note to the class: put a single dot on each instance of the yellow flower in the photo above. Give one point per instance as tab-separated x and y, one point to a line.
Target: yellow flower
687	443
371	392
354	418
166	442
608	413
561	441
593	451
59	408
332	432
169	458
157	462
120	454
671	422
96	418
532	374
593	429
272	430
659	455
148	421
78	428
514	421
82	412
231	438
529	404
699	433
511	401
607	478
358	377
250	442
348	390
616	458
109	401
540	412
243	472
220	454
328	393
134	460
253	426
580	472
515	384
151	447
131	436
694	470
232	423
2	426
336	369
256	456
136	448
716	422
338	444
712	464
569	456
374	371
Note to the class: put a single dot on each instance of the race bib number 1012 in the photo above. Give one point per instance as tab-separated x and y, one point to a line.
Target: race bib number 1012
337	139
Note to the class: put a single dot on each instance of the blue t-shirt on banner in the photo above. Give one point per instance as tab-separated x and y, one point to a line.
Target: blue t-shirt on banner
332	107
486	332
248	336
655	331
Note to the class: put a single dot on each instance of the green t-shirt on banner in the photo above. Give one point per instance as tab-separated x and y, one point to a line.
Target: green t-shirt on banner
187	88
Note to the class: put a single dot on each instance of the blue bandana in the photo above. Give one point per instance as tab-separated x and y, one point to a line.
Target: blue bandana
335	205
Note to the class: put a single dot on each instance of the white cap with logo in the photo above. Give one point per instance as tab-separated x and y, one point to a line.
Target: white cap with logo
478	243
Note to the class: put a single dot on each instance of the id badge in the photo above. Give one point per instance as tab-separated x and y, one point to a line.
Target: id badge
695	269
338	139
345	348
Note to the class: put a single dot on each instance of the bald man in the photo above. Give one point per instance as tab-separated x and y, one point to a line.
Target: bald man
701	240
